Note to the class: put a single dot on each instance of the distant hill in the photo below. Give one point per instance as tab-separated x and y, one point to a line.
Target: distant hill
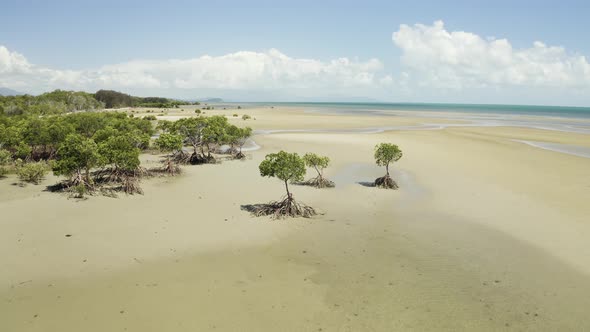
211	100
9	92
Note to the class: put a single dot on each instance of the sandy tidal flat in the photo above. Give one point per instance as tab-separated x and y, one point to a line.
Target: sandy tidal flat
486	233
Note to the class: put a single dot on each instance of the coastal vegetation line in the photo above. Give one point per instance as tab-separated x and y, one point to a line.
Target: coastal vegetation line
99	152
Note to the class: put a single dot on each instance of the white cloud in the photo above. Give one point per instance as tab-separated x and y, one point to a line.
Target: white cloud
436	65
435	57
271	70
12	62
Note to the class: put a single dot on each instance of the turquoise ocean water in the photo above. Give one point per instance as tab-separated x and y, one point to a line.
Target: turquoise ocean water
554	118
554	111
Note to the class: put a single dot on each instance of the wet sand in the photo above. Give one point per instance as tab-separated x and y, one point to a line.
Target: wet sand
485	234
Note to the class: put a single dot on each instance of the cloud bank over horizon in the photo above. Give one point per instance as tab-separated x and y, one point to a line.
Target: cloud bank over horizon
243	70
435	65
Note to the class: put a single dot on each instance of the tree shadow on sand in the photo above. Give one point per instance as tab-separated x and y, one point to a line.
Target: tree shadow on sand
252	208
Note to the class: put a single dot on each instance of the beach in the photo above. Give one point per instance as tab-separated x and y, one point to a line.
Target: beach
486	232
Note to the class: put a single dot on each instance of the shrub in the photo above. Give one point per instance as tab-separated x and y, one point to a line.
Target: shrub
169	143
76	156
150	117
235	115
246	117
385	154
319	163
79	191
32	172
198	111
5	159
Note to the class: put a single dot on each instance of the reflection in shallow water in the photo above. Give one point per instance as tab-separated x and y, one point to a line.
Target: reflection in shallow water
580	151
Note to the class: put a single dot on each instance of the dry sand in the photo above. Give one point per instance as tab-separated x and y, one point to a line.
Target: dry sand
485	234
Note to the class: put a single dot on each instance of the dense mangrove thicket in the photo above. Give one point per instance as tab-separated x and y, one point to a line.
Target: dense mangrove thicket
91	149
99	151
55	102
115	99
206	136
60	101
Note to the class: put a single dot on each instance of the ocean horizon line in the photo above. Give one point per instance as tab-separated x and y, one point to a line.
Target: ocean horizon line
401	103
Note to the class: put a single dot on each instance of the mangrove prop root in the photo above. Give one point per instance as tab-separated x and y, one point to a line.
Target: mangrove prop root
319	182
171	168
197	159
386	182
117	175
107	182
287	207
127	181
183	158
131	186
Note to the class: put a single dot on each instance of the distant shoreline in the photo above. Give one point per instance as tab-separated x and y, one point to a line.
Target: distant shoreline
558	111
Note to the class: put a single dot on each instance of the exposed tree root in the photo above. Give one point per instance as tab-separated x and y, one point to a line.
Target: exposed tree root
130	185
199	159
287	207
170	168
319	182
115	180
239	155
182	157
117	175
225	150
108	182
210	159
386	182
75	187
80	180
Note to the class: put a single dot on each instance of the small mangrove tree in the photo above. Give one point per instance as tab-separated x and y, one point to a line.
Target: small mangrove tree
385	154
287	167
319	163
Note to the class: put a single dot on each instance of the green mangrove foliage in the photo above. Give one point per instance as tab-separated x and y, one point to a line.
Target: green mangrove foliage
90	149
287	167
5	161
385	154
171	144
319	163
206	136
237	138
32	172
56	102
115	99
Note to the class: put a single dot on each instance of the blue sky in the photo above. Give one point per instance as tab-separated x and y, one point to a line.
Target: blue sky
75	40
